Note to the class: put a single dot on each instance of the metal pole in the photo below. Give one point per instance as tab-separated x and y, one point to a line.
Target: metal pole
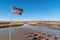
10	23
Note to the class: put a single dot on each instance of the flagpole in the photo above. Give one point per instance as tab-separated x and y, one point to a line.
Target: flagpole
10	23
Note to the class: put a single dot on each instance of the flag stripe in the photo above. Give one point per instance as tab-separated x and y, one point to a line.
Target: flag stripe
17	11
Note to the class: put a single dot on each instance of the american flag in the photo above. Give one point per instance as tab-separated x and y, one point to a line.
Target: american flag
17	11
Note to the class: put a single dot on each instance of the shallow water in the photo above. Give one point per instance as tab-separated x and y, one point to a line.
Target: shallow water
4	32
43	29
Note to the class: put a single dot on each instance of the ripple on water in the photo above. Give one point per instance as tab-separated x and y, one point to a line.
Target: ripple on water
43	29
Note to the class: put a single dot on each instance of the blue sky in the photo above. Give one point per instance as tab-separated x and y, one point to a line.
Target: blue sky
34	10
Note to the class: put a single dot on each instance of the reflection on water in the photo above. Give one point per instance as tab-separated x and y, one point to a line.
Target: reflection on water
4	32
43	29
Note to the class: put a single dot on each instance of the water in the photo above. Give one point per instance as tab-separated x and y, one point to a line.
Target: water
43	29
4	32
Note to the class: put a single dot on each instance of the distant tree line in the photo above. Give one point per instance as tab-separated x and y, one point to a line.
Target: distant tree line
4	22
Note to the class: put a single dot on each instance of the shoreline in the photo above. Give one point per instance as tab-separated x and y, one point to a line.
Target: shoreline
53	25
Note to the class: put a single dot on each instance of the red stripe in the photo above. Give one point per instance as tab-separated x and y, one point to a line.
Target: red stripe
17	11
